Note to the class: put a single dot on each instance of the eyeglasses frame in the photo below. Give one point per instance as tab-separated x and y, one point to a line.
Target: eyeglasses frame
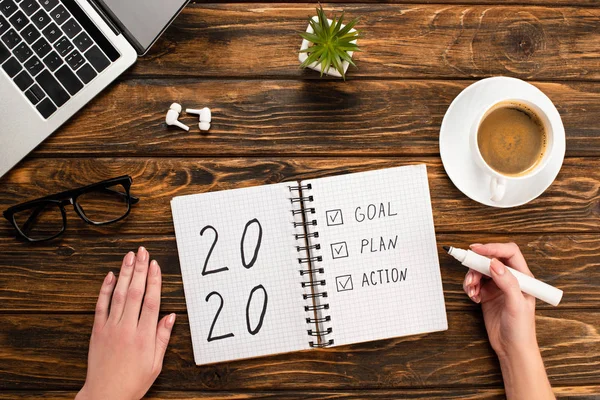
70	197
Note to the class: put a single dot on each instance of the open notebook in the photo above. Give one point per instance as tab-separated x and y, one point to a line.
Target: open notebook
317	263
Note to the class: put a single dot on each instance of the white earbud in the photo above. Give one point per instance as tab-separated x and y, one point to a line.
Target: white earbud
173	115
204	115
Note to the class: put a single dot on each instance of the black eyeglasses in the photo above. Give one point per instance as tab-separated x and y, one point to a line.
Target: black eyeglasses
97	204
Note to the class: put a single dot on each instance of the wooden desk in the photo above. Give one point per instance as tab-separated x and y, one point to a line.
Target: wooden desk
274	122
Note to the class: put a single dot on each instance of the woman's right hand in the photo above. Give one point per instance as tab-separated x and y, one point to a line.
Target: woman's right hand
509	314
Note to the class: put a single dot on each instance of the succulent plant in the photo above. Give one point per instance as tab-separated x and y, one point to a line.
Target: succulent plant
330	42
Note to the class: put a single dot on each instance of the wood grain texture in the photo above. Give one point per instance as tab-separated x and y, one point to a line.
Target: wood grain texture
409	41
566	392
35	345
276	118
65	276
571	204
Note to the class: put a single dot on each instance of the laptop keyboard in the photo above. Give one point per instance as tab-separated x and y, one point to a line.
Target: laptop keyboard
51	50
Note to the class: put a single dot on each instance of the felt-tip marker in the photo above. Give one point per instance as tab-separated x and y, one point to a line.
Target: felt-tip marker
529	285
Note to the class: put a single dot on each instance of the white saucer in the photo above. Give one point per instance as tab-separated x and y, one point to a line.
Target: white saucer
454	141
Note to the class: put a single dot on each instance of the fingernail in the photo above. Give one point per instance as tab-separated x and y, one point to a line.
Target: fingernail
109	278
171	321
154	268
471	292
498	267
477	299
142	253
129	259
469	278
475	245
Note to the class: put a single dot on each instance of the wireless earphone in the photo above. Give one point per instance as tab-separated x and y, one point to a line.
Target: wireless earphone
173	115
204	116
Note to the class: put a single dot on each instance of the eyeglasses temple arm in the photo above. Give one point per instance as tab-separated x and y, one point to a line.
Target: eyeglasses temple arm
33	217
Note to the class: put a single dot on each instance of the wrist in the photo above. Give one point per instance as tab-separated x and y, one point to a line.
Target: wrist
83	394
524	373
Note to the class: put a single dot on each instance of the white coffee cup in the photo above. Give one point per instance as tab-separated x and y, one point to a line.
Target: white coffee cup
499	182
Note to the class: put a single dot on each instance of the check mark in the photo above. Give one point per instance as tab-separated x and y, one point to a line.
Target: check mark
334	217
339	250
344	283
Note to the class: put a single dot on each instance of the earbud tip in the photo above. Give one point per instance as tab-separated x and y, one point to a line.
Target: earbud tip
176	107
204	126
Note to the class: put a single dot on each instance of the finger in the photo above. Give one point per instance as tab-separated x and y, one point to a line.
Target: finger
137	288
507	283
471	283
163	334
509	252
149	316
103	302
120	293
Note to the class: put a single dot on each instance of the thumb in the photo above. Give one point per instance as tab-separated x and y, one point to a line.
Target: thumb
507	283
163	335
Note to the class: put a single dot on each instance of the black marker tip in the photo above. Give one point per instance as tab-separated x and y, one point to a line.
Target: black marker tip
447	248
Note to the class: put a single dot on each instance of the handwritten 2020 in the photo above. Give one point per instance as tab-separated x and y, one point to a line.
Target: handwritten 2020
246	264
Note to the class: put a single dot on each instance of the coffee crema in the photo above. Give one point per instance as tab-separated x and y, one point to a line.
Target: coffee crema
512	139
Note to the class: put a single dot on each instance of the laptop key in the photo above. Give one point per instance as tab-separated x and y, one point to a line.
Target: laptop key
46	108
53	61
29	6
68	80
11	38
3	25
51	86
40	19
8	7
49	4
4	53
33	95
22	52
41	47
30	34
19	20
34	66
97	59
60	14
12	67
63	46
71	28
82	41
75	60
86	73
52	32
23	80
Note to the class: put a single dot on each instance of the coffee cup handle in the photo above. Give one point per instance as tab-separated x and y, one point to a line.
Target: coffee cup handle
498	188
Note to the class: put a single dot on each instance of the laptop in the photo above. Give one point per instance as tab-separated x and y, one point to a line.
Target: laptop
56	55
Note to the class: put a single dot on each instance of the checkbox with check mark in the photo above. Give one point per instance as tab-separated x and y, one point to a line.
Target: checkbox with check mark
339	250
343	283
334	217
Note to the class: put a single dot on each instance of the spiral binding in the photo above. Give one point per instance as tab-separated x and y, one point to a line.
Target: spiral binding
316	296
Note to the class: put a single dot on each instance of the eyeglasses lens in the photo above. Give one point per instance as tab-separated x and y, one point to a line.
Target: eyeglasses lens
41	221
104	205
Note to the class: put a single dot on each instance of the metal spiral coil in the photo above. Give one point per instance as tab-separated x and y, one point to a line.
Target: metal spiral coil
316	307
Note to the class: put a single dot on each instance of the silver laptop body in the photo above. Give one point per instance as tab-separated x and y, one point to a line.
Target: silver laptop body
64	65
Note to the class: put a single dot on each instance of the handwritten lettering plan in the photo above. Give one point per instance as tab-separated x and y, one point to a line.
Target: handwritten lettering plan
311	264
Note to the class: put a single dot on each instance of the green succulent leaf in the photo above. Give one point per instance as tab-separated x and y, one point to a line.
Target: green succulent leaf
331	42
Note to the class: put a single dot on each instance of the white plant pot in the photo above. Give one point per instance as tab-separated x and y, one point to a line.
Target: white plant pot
316	66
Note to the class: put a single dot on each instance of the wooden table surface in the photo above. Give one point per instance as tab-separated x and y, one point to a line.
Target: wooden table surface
274	122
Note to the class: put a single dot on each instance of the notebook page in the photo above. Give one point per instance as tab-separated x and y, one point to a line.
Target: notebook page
235	331
379	254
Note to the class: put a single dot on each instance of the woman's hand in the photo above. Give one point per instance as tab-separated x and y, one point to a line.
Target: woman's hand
128	343
509	316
